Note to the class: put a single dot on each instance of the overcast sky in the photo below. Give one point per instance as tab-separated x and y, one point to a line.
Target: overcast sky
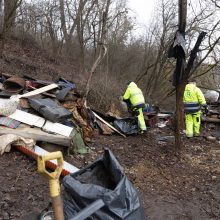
142	10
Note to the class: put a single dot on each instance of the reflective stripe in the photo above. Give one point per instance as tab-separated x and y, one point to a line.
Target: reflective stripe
191	107
191	103
139	103
134	94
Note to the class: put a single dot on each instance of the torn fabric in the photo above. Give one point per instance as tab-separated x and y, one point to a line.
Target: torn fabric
7	140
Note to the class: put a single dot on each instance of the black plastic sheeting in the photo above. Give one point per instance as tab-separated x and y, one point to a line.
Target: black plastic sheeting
178	51
104	179
127	125
65	86
50	109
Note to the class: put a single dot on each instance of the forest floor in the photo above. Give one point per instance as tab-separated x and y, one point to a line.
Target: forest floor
169	188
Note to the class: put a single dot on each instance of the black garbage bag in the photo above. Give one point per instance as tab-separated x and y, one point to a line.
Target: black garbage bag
104	179
127	125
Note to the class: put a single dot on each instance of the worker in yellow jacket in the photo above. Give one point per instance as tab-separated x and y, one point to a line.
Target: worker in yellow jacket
134	96
193	100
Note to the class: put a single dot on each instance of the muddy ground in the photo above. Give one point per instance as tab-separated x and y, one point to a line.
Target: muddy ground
170	189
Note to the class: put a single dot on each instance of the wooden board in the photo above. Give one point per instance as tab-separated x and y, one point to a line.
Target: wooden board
36	134
39	91
209	119
34	120
102	120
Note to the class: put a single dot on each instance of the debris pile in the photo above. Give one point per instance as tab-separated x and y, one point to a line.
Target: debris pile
54	112
211	122
46	112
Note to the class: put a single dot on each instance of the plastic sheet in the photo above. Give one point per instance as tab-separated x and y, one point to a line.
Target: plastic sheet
104	179
126	125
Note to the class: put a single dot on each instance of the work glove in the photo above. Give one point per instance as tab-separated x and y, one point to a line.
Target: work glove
205	109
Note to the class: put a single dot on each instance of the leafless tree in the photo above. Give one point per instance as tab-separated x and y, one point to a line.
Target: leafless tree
102	47
8	26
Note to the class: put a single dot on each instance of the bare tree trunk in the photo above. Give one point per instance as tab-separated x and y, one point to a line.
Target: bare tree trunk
67	37
102	48
180	91
9	21
180	86
9	15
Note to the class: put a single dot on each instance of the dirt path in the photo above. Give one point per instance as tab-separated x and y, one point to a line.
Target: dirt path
169	188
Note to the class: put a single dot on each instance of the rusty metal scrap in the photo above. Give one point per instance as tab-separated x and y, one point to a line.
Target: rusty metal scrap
15	84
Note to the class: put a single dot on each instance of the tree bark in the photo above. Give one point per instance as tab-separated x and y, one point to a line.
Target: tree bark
10	8
180	86
102	48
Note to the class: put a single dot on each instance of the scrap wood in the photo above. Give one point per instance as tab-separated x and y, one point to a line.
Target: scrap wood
52	164
164	115
38	91
114	112
44	93
24	103
37	134
108	124
73	107
40	122
209	119
105	129
27	118
57	128
214	112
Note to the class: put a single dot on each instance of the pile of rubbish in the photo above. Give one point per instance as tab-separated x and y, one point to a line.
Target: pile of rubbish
211	122
36	111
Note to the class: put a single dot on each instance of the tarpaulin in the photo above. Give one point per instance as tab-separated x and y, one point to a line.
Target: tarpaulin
127	125
178	51
66	86
104	179
50	109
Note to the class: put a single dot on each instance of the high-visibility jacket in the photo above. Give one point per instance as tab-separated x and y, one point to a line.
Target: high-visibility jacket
193	98
134	94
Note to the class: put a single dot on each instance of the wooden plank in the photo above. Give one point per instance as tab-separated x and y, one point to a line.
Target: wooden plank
27	118
102	120
36	134
209	119
57	128
34	120
39	91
